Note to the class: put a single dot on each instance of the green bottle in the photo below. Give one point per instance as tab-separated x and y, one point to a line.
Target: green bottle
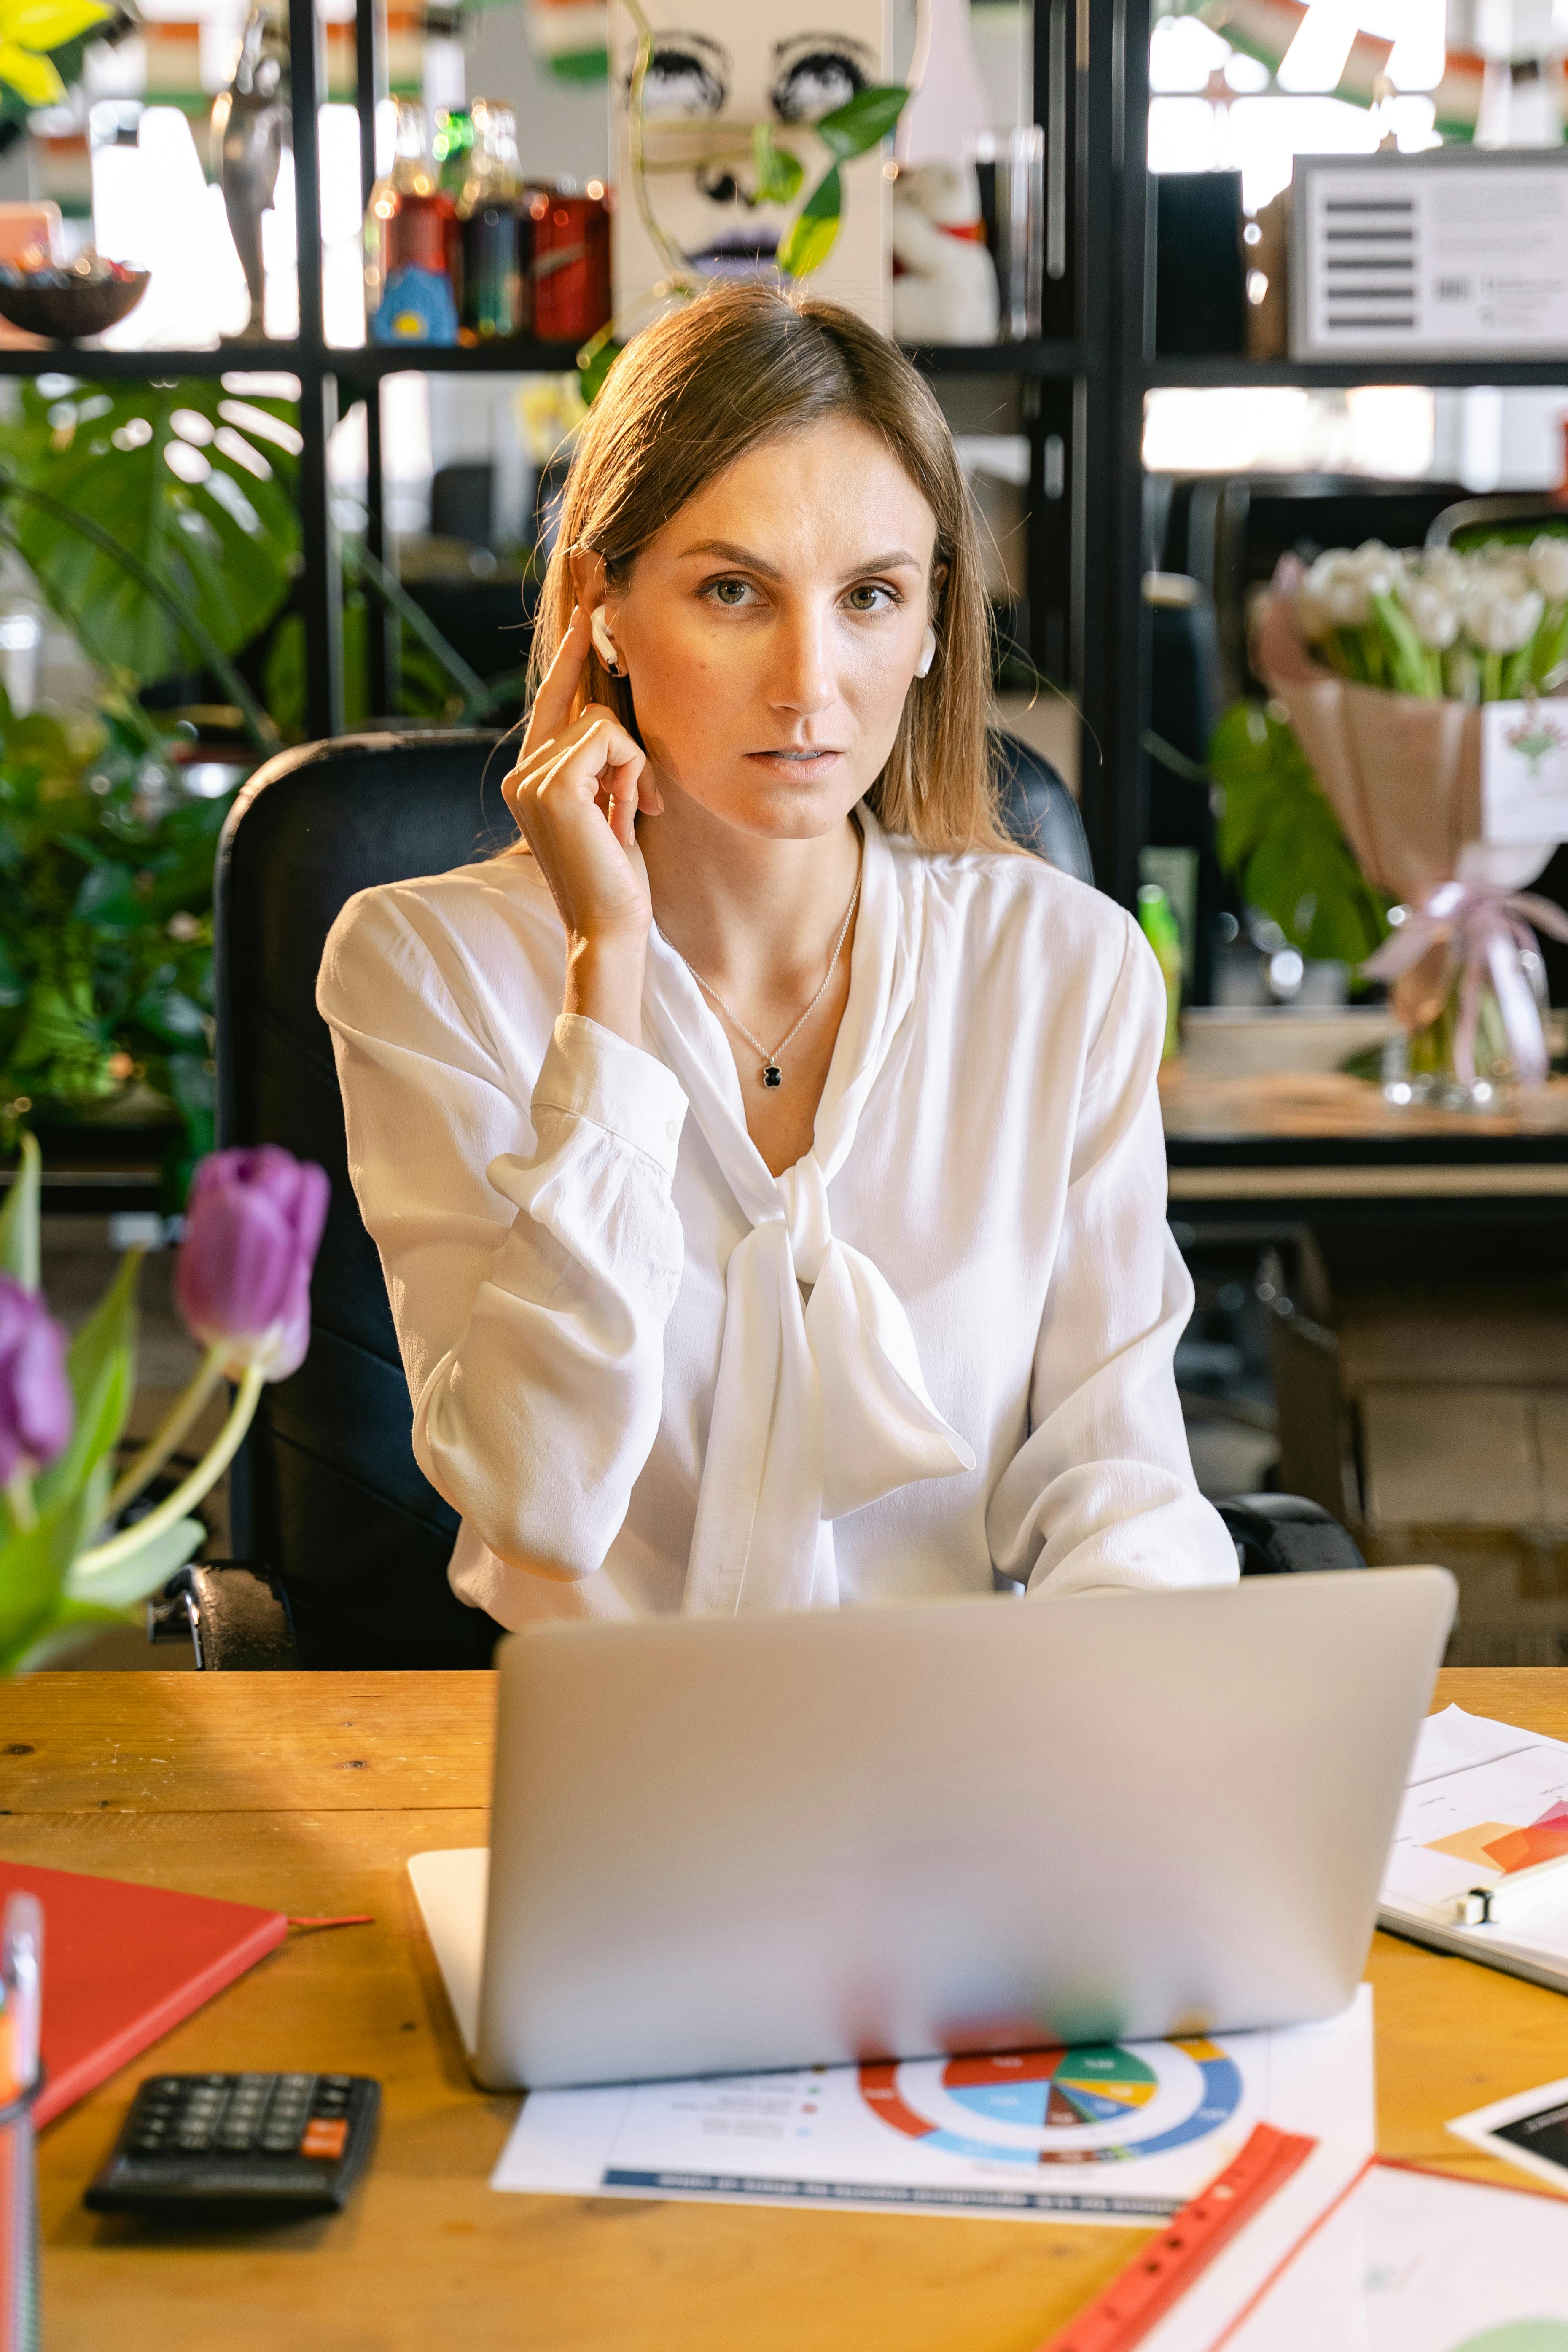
451	147
1157	921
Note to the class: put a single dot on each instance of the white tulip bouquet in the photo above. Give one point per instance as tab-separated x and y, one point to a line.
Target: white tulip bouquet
1385	662
1489	626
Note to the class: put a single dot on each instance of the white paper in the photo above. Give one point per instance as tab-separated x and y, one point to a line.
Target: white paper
452	1888
1119	2133
1524	772
1243	2269
1475	1823
1438	256
1418	2262
1530	2130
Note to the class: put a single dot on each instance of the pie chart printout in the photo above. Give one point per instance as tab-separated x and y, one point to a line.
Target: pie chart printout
1099	2104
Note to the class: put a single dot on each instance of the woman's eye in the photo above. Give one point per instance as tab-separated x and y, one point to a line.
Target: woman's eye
729	592
873	597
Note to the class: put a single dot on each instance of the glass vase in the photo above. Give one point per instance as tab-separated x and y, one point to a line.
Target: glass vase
1422	1066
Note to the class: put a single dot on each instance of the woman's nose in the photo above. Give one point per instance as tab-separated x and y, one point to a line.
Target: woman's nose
803	678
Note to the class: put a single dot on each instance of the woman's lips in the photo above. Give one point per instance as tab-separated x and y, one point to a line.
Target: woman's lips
804	765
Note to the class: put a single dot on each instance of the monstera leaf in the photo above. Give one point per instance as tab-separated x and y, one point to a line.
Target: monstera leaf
1276	834
197	486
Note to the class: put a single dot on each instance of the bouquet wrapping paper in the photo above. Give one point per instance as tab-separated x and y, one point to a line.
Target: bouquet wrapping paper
1403	773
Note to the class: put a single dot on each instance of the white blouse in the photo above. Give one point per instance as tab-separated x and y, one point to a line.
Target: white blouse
650	1375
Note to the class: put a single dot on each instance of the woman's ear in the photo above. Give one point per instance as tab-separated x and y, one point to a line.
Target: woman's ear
588	581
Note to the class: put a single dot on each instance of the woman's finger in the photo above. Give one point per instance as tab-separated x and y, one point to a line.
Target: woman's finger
552	710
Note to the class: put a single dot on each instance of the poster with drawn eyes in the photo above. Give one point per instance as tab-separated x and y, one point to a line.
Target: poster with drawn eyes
720	70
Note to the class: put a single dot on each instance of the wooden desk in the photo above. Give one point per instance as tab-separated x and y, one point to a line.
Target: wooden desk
309	1792
1303	1136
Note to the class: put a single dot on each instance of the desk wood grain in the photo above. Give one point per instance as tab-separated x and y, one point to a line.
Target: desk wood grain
309	1792
1294	1106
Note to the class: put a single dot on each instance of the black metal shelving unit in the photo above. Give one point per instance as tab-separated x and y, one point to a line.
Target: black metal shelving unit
1073	590
1080	391
1131	368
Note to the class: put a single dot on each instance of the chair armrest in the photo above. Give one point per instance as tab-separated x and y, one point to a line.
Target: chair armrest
1284	1534
236	1617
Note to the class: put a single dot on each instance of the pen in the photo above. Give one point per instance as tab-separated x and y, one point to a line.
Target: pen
1493	1906
21	1974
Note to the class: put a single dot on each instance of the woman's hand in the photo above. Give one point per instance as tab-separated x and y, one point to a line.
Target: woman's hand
575	793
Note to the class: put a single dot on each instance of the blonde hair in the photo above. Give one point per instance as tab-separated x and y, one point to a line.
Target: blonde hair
691	394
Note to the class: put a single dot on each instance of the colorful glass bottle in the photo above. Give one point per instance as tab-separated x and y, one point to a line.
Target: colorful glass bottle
494	288
571	260
411	244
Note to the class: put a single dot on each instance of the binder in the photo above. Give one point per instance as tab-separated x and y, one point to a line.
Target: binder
122	1964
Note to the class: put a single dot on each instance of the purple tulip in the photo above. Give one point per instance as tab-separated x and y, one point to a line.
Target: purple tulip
37	1410
253	1221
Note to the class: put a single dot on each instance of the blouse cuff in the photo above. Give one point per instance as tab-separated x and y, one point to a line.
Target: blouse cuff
590	1073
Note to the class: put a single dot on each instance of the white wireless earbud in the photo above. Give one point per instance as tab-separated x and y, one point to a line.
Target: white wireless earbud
928	651
604	645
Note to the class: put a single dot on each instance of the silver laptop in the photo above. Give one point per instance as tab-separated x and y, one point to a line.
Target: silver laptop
730	1845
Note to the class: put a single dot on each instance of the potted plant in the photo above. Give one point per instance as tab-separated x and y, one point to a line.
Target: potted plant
78	1546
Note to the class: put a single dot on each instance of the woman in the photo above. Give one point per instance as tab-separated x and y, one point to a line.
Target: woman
764	1159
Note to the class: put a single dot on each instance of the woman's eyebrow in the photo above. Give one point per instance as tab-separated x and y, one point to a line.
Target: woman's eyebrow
896	558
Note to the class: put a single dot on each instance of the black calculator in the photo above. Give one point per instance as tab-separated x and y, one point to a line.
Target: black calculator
230	2147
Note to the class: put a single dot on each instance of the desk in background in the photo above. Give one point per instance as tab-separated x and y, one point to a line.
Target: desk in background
1322	1146
309	1792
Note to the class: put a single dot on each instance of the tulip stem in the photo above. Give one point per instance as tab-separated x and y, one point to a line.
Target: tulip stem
19	1495
189	1490
179	1419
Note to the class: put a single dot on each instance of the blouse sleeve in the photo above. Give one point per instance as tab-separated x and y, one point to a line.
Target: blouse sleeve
532	1250
1101	1492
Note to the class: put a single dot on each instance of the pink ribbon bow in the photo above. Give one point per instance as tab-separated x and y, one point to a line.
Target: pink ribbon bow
1484	931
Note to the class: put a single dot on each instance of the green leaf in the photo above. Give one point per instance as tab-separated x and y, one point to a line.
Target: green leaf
69	1628
102	1368
591	373
865	121
141	1572
1276	834
778	172
33	1569
19	1254
812	233
227	544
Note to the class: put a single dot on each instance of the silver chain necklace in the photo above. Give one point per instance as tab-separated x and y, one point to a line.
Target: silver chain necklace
771	1074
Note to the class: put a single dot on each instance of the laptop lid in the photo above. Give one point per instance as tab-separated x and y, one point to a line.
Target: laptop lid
731	1845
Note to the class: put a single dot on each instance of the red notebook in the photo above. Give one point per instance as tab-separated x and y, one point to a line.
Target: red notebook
122	1964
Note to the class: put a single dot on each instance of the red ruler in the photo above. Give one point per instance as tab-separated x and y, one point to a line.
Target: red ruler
1123	2314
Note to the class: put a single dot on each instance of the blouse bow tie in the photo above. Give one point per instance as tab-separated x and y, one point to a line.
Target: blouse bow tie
820	1405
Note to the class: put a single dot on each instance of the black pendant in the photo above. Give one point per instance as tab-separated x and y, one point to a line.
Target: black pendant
771	1075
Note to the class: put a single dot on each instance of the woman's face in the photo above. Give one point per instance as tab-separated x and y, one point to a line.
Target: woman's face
770	631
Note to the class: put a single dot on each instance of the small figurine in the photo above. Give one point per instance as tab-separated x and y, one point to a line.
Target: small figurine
944	281
250	130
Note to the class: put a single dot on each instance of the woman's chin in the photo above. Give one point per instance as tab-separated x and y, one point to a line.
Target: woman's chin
766	799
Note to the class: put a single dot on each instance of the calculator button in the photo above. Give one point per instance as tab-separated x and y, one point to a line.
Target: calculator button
337	2082
325	2136
295	2082
236	2137
192	2140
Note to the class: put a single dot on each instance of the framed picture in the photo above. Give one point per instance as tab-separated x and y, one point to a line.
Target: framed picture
1458	253
718	72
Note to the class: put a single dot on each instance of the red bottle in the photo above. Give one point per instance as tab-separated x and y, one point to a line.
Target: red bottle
571	261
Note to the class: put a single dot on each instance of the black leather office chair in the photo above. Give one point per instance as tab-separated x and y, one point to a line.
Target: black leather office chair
342	1546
